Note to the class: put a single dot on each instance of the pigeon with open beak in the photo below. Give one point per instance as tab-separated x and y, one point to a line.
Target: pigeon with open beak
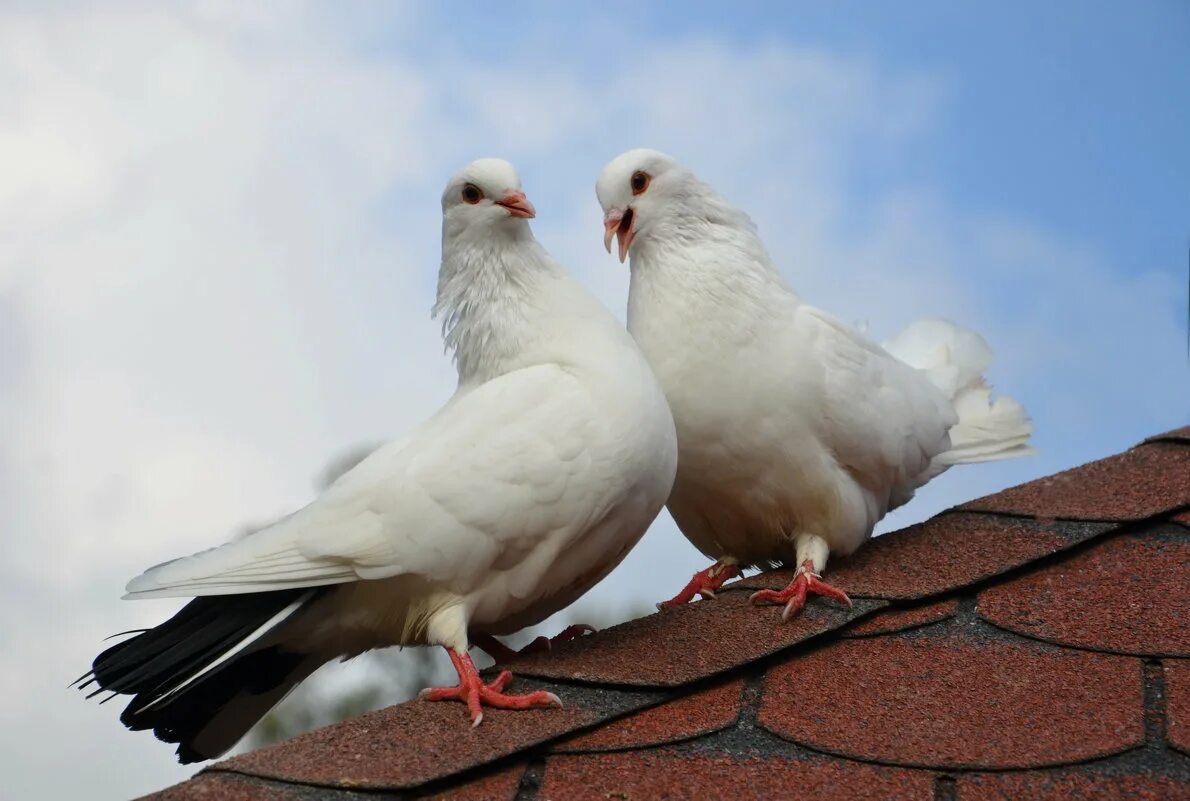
796	434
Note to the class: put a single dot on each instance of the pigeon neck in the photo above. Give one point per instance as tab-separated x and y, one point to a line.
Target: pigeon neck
712	284
484	299
725	265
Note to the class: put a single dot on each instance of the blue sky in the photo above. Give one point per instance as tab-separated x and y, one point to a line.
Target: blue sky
1070	117
1050	102
1073	114
220	226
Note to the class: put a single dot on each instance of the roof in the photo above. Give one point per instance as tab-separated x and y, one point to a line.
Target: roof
1046	657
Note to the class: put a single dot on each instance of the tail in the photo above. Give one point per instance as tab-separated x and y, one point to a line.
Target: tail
955	360
208	674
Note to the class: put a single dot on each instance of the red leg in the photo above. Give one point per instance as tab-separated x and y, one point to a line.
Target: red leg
704	583
502	653
473	692
806	582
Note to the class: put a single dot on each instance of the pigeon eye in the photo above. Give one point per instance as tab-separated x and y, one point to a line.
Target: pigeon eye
472	194
640	182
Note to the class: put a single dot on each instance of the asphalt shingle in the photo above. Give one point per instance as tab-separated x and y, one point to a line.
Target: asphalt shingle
1031	644
1126	594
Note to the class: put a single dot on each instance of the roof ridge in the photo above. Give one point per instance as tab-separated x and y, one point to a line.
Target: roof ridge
667	656
1179	436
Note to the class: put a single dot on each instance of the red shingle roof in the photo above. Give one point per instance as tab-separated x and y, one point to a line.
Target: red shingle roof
1031	644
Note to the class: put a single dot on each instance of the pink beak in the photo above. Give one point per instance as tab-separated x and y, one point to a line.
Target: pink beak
619	224
518	205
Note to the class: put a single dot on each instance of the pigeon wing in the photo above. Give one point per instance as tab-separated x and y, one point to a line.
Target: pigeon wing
482	483
881	418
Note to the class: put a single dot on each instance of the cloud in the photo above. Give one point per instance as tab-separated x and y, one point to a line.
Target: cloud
192	202
221	233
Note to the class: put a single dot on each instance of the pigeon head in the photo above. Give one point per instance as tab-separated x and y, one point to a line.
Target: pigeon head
638	190
484	198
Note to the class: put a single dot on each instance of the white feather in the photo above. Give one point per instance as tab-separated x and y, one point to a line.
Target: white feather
534	480
531	483
793	427
955	360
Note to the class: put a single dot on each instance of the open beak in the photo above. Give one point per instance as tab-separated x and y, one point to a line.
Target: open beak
518	205
618	224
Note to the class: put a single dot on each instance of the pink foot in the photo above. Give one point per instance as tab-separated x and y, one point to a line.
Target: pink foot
806	582
473	692
704	583
502	653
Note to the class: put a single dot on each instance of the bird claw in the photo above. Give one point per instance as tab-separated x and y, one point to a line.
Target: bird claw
567	634
805	583
704	583
472	691
501	653
572	632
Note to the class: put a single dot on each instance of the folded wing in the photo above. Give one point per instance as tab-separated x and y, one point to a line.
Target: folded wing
884	420
481	484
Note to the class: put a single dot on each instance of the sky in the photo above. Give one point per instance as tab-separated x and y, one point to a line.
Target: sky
219	234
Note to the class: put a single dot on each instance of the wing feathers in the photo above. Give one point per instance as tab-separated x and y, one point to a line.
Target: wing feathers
241	566
446	503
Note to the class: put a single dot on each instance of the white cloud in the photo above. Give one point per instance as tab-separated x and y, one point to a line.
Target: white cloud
221	229
193	201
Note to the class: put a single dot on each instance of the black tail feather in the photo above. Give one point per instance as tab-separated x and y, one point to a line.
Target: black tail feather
182	718
156	662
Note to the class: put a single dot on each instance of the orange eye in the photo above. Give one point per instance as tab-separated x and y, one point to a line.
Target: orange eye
472	194
640	182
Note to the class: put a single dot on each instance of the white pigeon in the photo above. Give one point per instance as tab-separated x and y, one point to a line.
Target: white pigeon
796	434
534	480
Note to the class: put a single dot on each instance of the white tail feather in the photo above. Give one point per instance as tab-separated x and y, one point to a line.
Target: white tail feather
955	359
